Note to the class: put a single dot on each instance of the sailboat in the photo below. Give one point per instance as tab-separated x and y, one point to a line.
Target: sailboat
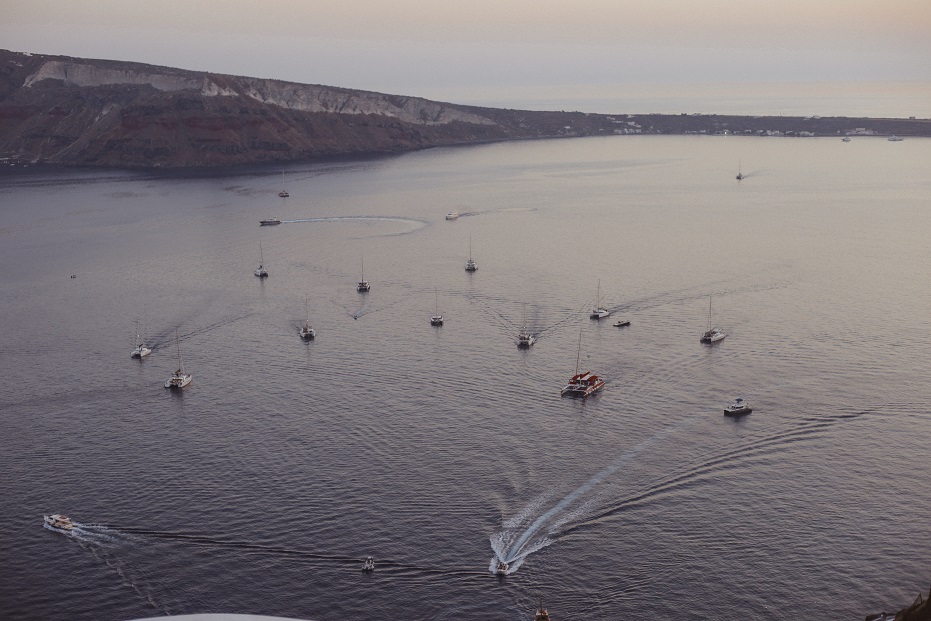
711	335
179	379
437	318
283	193
740	175
307	332
525	338
600	312
141	350
260	271
582	384
470	264
363	285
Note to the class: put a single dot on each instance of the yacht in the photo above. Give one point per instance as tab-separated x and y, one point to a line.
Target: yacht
260	271
269	222
368	564
59	521
600	311
894	138
178	379
437	318
711	335
141	350
470	264
306	331
582	384
452	215
363	285
738	408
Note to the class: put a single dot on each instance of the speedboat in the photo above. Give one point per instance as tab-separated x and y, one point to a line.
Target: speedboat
712	336
525	339
502	568
582	385
621	324
738	408
845	139
62	522
284	194
368	564
452	215
141	350
269	222
894	138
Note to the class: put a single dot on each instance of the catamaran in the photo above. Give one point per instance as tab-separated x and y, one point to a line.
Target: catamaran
711	335
179	379
306	331
470	264
525	338
437	318
582	384
363	285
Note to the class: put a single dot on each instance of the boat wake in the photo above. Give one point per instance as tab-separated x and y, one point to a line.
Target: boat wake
414	225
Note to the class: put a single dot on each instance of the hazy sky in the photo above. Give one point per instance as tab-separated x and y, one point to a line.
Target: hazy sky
439	47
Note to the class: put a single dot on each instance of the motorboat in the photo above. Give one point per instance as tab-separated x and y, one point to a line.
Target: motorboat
284	194
845	139
622	323
260	271
452	215
141	350
712	334
363	285
502	568
582	384
368	564
269	222
738	408
894	138
306	331
470	264
179	379
59	521
600	311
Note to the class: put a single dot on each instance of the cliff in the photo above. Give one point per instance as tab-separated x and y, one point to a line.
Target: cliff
72	111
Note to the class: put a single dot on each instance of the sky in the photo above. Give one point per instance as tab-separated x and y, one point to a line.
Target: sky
492	51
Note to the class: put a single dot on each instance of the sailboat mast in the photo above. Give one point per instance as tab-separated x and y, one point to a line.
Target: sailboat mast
709	312
578	357
178	344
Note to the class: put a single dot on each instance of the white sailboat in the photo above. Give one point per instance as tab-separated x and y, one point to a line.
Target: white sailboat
740	175
525	338
306	331
260	271
141	350
283	193
470	264
600	312
711	335
179	379
363	285
437	318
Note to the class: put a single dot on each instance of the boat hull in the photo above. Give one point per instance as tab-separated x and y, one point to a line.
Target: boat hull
737	412
178	381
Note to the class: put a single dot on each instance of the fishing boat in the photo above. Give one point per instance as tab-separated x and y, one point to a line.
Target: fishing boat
470	264
260	271
452	215
178	379
141	350
56	520
712	334
600	311
437	318
363	285
368	565
582	384
306	331
269	222
738	408
525	338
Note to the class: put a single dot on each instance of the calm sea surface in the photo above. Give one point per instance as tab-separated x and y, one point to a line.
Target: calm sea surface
261	486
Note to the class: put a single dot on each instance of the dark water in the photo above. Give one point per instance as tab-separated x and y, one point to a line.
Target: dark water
261	486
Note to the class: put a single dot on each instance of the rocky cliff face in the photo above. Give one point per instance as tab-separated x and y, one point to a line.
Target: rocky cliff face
107	113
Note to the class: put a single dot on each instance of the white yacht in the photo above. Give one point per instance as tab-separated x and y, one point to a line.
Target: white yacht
306	331
260	271
712	334
600	311
141	350
363	285
738	408
59	521
178	379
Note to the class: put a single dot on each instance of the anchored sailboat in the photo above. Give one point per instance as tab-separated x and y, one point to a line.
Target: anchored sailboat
179	379
260	271
306	331
437	318
363	285
711	335
470	264
600	312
